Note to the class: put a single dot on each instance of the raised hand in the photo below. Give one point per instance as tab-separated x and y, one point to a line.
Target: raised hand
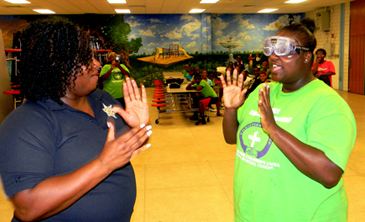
136	107
267	117
233	94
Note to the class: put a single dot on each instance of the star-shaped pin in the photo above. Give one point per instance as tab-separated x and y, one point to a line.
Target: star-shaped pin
109	111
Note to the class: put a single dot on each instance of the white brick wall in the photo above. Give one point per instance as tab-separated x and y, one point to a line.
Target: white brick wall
333	36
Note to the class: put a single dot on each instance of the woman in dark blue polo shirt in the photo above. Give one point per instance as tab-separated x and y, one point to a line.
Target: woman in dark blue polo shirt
65	152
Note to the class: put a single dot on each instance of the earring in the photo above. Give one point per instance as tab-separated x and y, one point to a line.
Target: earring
306	61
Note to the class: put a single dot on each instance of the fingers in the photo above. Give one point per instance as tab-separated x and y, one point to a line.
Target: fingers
240	81
119	110
228	74
144	94
140	150
135	137
136	90
223	81
264	94
111	132
127	97
235	72
130	89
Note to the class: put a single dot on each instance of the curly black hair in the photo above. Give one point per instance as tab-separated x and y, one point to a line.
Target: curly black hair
52	53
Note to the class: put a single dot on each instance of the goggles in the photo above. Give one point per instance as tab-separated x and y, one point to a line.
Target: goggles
282	46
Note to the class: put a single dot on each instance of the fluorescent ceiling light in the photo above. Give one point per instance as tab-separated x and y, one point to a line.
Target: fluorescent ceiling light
208	1
18	1
295	1
123	10
197	10
117	1
267	10
44	11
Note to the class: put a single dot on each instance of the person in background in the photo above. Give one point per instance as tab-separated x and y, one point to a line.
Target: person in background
65	152
294	137
217	86
260	77
248	82
186	71
257	61
113	76
204	76
239	62
322	69
213	77
250	60
241	70
265	68
206	92
196	70
230	67
263	77
190	76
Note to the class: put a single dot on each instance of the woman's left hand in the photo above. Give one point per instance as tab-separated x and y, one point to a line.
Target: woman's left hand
136	107
267	117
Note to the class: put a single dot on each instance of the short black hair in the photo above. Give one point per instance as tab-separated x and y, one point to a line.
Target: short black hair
321	50
52	53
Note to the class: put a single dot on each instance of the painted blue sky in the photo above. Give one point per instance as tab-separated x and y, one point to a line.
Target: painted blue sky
205	32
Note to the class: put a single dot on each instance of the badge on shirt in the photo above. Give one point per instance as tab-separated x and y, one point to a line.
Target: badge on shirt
109	111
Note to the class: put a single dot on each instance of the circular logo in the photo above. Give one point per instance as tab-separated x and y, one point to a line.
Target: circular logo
117	76
254	141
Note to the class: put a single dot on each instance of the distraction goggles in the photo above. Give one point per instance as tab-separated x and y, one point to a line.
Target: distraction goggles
282	46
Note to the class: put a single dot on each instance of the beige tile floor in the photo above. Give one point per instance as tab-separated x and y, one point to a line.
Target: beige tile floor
186	176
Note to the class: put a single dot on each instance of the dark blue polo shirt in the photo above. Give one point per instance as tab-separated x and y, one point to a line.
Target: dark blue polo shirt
44	139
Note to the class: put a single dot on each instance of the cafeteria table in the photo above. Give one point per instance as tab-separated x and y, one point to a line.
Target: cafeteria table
180	96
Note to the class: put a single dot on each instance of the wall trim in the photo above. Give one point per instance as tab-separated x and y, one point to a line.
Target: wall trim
341	46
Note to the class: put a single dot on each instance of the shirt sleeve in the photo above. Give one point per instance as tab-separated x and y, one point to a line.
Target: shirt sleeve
125	68
105	69
27	151
332	129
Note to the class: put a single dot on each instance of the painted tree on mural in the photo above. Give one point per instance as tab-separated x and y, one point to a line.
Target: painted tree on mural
112	32
115	33
110	29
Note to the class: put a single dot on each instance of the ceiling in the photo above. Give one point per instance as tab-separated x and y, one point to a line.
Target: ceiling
162	6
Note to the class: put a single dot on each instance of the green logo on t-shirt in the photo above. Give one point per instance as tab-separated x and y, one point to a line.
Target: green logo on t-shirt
117	76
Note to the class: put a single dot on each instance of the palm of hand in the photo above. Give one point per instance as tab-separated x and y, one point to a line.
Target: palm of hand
231	96
136	113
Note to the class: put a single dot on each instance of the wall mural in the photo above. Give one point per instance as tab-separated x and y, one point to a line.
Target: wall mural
200	35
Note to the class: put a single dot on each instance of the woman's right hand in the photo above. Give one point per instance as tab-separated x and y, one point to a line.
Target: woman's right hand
233	94
119	151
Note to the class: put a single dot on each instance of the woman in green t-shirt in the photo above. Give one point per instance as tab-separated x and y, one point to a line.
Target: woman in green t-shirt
294	137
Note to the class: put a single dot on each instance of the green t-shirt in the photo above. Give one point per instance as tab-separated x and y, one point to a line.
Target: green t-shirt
267	186
114	83
207	90
185	73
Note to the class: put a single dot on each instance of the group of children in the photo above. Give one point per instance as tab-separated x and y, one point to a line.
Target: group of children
205	83
210	88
